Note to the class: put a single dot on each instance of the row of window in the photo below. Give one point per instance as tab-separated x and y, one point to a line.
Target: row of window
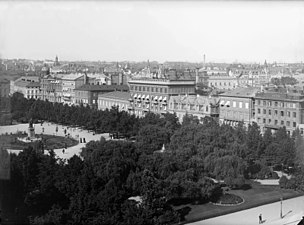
149	89
276	122
240	105
275	112
276	104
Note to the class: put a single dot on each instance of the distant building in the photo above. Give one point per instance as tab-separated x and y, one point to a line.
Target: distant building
199	106
20	84
152	92
116	98
275	109
51	89
238	106
69	83
33	90
88	94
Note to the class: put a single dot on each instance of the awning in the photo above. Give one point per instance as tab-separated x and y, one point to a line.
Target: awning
147	97
139	96
135	96
160	98
165	99
222	103
143	97
155	98
227	104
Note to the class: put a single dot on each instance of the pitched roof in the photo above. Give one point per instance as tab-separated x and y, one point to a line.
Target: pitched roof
118	95
242	92
87	87
33	84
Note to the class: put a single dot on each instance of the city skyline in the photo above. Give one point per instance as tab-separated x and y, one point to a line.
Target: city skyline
156	31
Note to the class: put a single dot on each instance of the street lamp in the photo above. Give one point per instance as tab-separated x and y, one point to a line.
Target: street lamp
281	214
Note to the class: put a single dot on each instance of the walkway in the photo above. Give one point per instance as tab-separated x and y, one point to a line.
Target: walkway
292	211
50	129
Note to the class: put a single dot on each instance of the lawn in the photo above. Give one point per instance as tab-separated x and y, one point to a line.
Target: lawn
256	196
10	141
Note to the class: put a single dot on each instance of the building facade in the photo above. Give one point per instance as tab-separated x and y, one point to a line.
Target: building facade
153	93
33	90
116	98
69	83
275	110
238	106
88	94
51	89
196	105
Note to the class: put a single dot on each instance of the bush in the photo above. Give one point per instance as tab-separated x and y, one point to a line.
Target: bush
230	199
234	182
283	182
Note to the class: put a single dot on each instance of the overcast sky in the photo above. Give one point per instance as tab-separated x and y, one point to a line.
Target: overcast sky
225	31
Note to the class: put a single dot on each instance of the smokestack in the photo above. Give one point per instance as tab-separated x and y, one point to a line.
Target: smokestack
204	60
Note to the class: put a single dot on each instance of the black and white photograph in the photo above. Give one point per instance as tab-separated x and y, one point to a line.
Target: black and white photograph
141	112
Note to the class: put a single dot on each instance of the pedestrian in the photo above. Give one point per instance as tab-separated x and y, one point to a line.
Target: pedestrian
63	151
260	219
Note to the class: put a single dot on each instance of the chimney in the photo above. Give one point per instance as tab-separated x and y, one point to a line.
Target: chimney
204	60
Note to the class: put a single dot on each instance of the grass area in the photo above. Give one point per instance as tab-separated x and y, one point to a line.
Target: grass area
50	142
256	196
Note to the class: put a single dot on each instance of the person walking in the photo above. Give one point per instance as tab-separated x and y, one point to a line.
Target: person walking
260	219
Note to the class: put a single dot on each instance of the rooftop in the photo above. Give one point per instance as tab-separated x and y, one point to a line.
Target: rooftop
72	76
242	92
33	84
87	87
116	95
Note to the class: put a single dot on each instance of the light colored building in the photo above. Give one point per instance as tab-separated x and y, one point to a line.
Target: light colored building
153	93
69	83
196	105
51	89
88	94
279	108
238	106
19	85
116	98
33	90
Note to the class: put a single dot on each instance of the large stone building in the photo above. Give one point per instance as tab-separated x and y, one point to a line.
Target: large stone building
196	105
275	109
153	91
238	106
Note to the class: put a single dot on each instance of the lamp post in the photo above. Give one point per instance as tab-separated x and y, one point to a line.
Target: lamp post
281	214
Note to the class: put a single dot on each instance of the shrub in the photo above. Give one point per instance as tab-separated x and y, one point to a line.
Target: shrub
283	182
230	199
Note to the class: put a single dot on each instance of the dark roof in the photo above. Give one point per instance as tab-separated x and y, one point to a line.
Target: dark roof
87	87
242	92
33	84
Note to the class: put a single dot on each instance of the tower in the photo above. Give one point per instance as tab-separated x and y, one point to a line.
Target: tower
56	61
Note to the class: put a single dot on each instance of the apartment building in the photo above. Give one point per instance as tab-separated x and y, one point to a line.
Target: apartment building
115	98
88	94
196	105
278	109
152	92
238	106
